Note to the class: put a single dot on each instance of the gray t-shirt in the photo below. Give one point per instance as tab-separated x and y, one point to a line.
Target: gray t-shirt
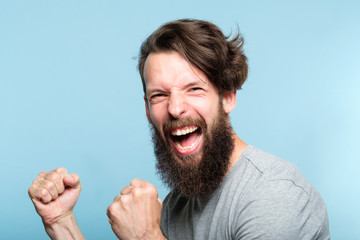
262	197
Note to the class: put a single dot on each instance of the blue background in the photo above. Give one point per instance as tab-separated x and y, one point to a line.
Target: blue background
70	96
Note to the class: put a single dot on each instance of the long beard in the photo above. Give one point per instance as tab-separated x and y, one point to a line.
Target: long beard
196	178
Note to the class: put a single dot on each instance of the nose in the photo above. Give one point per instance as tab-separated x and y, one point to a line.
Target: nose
176	106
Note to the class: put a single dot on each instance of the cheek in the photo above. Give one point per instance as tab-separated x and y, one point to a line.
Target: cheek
157	116
206	109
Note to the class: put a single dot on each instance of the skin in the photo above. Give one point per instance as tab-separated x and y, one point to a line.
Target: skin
54	195
175	90
136	212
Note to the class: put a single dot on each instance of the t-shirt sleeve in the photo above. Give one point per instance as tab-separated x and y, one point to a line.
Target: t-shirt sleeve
282	210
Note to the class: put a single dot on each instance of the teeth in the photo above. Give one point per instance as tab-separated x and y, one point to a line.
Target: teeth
183	132
187	147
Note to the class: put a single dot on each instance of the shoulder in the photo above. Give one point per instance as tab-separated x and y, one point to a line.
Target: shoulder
282	202
275	171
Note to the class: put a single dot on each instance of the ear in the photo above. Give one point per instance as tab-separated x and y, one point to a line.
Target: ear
229	101
147	109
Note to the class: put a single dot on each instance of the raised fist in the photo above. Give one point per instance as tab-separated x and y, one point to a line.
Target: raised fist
54	194
136	212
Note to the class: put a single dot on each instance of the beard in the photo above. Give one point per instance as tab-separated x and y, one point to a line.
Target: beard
195	175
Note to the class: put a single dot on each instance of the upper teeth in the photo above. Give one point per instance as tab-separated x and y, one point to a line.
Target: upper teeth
184	131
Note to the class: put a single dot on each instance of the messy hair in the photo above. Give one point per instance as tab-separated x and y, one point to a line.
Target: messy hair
203	45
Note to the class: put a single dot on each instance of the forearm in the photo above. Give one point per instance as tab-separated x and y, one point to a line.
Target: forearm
66	229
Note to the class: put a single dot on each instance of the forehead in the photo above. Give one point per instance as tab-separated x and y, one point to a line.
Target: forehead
170	68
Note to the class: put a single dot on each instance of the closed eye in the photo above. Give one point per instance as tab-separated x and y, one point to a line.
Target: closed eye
196	89
158	97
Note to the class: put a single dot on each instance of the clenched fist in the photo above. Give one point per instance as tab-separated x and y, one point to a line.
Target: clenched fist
54	195
136	212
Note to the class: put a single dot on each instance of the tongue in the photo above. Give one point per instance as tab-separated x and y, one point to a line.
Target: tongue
189	139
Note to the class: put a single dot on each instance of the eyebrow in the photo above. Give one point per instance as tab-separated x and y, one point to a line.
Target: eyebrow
188	85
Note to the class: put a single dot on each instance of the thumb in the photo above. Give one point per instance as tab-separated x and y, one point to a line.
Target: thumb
72	181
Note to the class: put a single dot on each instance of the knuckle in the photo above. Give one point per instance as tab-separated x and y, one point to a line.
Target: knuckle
111	210
116	198
38	180
43	193
76	177
137	192
35	181
52	188
60	170
55	177
31	190
151	189
122	191
108	213
48	185
124	200
134	182
138	182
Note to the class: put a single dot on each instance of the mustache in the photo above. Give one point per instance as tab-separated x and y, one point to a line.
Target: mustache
183	122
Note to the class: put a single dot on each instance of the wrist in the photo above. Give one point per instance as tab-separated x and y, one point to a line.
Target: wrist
158	235
63	228
64	219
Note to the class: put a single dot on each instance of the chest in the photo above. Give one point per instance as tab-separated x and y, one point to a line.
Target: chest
215	219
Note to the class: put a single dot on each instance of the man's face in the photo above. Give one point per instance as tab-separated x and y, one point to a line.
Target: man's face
181	102
191	130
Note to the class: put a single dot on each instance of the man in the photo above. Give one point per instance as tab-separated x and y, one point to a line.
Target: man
221	188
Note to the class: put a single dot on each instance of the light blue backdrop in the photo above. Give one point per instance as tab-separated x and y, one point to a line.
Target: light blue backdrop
70	96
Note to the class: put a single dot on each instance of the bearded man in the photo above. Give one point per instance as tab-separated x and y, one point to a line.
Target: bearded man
221	187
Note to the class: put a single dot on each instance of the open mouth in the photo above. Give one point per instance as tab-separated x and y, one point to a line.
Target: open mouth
186	140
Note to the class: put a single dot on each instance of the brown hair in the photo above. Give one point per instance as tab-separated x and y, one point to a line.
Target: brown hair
204	45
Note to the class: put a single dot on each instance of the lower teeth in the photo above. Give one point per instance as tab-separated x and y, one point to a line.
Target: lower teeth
187	147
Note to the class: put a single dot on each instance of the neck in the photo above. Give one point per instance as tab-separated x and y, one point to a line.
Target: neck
239	146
